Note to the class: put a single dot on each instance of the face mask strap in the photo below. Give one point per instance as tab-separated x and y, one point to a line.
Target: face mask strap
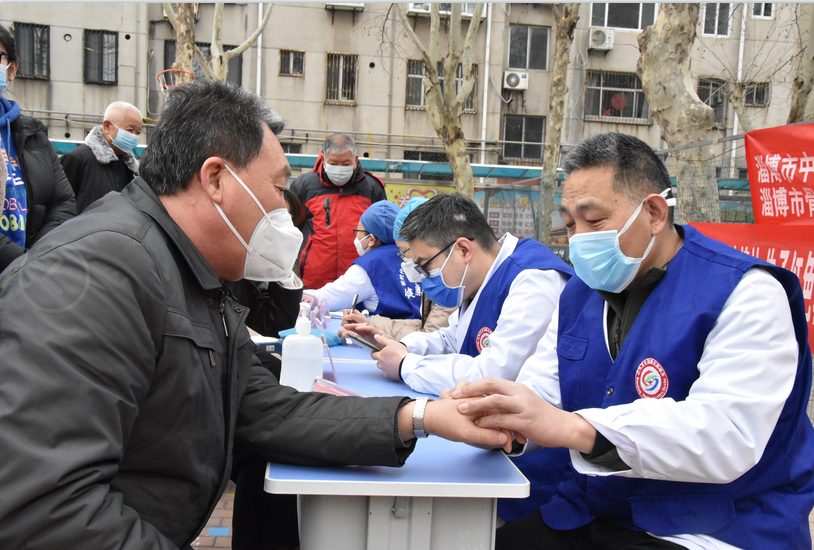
232	227
246	187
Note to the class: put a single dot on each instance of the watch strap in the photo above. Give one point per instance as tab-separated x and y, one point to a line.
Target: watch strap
418	417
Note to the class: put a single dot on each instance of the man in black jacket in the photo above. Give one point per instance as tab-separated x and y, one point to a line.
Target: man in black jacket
105	162
128	374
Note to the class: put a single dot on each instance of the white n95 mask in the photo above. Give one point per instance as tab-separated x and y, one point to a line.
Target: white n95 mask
273	246
339	175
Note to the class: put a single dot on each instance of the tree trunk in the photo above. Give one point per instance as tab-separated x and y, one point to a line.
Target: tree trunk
185	37
802	100
444	109
220	70
566	16
664	68
736	97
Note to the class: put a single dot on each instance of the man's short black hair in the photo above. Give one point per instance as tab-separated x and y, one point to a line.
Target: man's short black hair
204	119
8	41
637	170
445	218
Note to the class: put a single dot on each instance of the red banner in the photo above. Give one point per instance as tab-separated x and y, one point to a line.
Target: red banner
780	162
789	247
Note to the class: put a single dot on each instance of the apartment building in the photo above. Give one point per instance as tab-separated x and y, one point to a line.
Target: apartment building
351	67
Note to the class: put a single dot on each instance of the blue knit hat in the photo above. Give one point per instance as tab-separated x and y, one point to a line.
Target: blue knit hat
404	212
378	219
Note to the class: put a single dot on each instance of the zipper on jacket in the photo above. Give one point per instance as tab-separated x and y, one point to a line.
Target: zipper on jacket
222	316
326	204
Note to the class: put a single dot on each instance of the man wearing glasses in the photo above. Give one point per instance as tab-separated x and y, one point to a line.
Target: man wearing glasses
504	293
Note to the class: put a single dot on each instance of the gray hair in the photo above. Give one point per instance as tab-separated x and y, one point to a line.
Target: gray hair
339	143
446	218
204	119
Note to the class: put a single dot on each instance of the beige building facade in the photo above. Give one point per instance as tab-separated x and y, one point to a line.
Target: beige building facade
351	67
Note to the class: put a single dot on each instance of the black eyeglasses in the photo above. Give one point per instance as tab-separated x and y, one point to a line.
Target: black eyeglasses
361	231
2	55
422	269
402	256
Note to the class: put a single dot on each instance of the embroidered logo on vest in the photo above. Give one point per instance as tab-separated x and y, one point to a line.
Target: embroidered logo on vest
482	341
651	380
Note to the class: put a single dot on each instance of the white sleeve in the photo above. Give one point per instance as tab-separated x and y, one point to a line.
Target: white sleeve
746	373
523	320
339	293
541	372
434	343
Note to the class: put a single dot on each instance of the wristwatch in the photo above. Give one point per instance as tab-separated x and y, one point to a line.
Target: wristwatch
418	417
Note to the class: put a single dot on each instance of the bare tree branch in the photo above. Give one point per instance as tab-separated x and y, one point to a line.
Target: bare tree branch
173	19
231	54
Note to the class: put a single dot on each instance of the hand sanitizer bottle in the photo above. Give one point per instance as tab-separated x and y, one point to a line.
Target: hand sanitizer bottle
302	354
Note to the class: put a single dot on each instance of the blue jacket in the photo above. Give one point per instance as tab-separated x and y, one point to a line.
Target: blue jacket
768	506
398	297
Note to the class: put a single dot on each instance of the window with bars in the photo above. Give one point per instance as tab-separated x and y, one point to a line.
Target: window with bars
623	16
101	57
756	94
33	50
340	78
235	73
443	8
293	148
523	137
292	63
712	91
416	97
615	95
528	47
716	19
763	10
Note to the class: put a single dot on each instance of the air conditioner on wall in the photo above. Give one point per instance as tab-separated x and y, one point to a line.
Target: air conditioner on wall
600	38
515	80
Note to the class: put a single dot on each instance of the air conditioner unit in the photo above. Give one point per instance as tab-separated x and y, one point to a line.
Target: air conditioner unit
515	80
601	38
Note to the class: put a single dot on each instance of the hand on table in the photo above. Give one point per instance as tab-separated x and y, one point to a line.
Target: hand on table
514	407
389	359
443	419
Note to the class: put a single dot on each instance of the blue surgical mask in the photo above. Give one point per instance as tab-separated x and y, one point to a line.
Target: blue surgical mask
3	82
439	292
124	140
599	261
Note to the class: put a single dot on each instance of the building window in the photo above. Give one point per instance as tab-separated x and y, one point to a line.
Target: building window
623	16
340	78
101	57
763	10
615	95
716	20
416	97
756	94
33	50
523	137
235	73
292	63
427	156
712	91
528	47
443	8
291	148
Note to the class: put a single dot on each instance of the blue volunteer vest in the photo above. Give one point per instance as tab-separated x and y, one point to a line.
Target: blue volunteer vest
528	254
768	506
398	297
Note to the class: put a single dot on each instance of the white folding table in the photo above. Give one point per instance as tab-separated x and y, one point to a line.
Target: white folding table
444	497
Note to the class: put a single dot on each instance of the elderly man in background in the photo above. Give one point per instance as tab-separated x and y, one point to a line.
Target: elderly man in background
105	162
335	193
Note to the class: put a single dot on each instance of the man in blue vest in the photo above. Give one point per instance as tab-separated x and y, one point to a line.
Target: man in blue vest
676	370
504	291
376	276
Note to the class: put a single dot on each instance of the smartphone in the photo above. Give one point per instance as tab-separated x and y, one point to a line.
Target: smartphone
356	338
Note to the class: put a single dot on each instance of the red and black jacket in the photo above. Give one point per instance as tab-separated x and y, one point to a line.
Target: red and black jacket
331	213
